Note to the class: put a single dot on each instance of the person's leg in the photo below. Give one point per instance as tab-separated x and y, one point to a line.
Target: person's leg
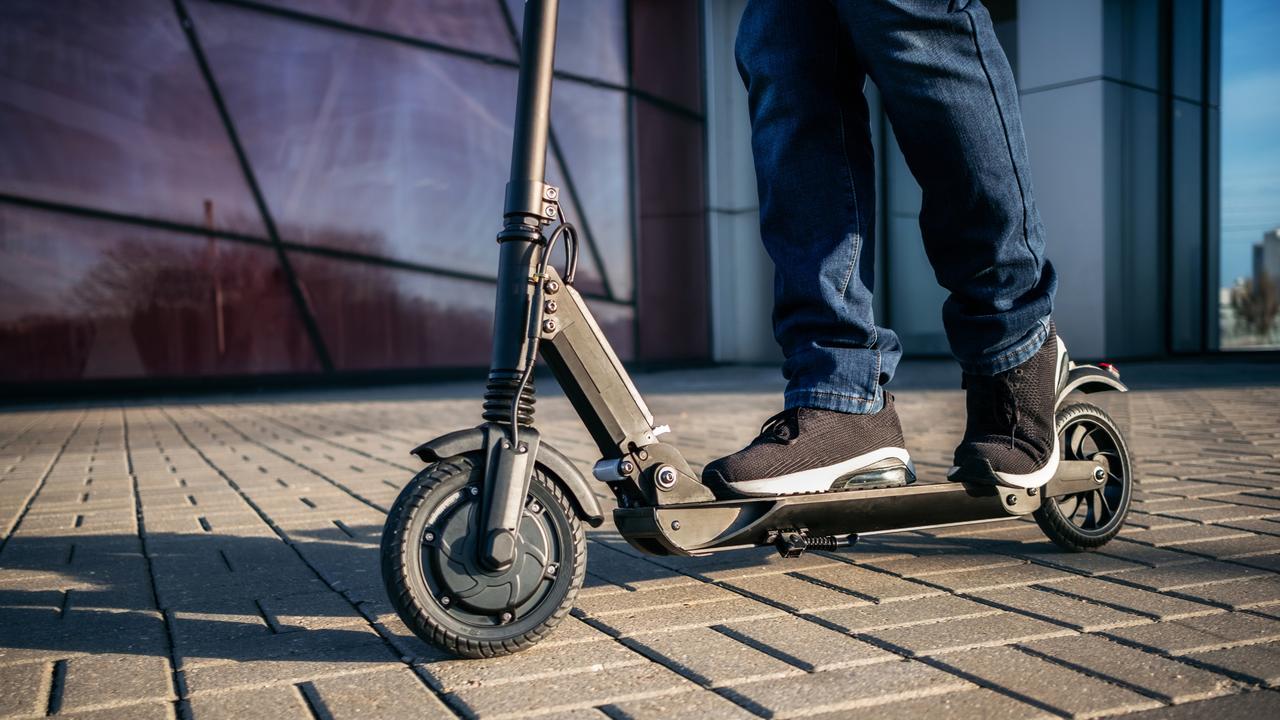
810	136
950	95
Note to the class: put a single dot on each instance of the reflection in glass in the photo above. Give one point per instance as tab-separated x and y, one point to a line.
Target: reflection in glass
85	299
1249	298
591	125
369	146
374	317
590	37
103	105
475	25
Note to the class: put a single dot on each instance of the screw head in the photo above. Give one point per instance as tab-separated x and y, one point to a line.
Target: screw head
552	568
550	325
551	306
1012	499
445	600
1032	491
550	193
643	454
551	211
666	477
626	467
473	490
552	287
429	536
506	617
535	507
1099	474
675	524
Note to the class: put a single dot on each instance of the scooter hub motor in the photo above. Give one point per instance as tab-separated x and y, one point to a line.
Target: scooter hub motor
462	583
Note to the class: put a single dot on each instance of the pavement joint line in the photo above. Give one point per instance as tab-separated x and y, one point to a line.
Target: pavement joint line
322	439
341	486
177	675
13	527
374	625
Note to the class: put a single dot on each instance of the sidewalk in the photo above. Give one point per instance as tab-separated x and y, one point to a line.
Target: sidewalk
217	558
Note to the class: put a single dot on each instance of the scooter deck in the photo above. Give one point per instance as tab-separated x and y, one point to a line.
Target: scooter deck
703	528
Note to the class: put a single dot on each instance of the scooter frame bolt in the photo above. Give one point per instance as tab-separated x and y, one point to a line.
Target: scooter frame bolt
535	507
1012	499
506	617
626	467
1099	475
473	490
550	193
428	536
550	325
665	477
552	569
445	600
550	306
675	524
553	287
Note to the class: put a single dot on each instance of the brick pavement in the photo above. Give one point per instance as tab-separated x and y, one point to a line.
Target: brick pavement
217	557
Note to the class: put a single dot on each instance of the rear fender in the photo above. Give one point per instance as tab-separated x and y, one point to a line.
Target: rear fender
1089	379
461	442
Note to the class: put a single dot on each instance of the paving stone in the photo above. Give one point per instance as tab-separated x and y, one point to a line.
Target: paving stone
153	710
664	620
973	702
841	690
1179	577
312	611
1183	535
804	644
1123	548
1201	634
996	578
875	586
532	664
1152	604
948	562
93	680
1258	704
700	704
1255	663
1073	612
895	615
388	695
1091	563
1252	592
711	658
794	593
652	599
570	692
1047	684
24	689
966	633
1168	680
279	702
294	657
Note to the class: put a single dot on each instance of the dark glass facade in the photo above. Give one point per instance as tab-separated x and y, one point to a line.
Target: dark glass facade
216	189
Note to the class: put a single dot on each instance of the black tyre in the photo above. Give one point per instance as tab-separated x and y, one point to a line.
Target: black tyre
1086	521
439	589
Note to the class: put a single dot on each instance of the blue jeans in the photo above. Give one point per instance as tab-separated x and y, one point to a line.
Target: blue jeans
948	91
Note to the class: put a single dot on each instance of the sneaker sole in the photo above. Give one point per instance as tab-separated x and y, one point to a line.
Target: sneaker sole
876	468
1034	479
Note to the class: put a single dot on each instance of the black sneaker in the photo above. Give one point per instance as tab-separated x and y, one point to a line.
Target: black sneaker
806	450
1009	437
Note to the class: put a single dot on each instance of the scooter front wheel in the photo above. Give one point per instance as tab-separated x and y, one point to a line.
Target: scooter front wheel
1086	521
433	576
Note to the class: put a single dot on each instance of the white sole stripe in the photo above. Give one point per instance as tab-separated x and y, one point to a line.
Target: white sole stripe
820	479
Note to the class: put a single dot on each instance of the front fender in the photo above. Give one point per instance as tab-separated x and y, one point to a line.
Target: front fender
460	442
1089	379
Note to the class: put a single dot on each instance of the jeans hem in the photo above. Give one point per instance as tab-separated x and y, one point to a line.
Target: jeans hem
1012	357
836	401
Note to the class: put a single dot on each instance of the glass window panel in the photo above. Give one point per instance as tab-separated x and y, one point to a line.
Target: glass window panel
475	25
590	37
1249	269
88	299
367	145
591	125
103	105
375	317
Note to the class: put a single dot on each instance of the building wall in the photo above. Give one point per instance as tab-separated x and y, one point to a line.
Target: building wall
209	189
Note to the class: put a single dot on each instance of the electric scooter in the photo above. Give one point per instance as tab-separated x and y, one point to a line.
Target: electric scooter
484	550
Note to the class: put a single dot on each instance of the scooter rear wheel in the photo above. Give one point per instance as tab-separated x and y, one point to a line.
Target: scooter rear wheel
1086	521
433	576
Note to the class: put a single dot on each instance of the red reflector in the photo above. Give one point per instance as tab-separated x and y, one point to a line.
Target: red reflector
1110	368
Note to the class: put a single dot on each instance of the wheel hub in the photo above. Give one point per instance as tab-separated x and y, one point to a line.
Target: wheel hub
451	549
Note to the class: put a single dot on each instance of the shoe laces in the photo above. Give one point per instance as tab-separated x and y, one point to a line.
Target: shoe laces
998	396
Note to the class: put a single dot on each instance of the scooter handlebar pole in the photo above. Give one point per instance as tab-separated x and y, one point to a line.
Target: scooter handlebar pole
533	110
